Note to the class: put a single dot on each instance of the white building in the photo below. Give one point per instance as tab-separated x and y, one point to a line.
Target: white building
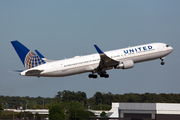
39	111
144	111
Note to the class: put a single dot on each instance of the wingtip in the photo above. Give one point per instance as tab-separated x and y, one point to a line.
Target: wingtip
98	50
14	40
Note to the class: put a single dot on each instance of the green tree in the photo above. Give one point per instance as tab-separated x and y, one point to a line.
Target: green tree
0	108
79	114
56	112
102	107
67	96
37	106
107	98
98	97
103	114
29	115
76	111
38	116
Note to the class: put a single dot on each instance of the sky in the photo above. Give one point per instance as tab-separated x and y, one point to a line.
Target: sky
64	29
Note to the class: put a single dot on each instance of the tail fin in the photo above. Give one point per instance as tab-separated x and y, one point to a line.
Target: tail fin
28	58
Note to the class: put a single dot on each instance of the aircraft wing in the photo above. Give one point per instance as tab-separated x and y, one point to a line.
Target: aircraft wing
105	61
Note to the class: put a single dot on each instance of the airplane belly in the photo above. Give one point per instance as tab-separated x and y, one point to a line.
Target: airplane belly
79	70
70	71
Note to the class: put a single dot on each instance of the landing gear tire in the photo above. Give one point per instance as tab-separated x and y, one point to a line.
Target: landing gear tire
92	76
104	75
162	63
101	75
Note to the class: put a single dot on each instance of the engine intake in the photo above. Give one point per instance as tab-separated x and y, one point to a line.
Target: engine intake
125	64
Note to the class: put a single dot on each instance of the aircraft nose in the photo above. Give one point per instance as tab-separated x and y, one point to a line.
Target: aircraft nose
171	48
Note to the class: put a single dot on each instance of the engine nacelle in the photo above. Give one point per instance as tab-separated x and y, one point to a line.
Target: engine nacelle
125	64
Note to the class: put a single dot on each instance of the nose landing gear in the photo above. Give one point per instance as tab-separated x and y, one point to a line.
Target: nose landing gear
162	61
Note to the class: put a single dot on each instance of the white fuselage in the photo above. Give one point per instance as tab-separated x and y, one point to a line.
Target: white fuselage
87	63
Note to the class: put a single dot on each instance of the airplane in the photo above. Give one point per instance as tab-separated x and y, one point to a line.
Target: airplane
125	58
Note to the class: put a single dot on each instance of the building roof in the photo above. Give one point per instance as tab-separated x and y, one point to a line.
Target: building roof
147	106
143	108
39	111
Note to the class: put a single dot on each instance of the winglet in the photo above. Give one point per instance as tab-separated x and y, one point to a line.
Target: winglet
98	50
105	61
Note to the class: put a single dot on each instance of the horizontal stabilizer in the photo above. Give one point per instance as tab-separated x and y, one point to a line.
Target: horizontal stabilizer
16	71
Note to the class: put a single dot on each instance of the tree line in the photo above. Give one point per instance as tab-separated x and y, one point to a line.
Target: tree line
73	105
15	102
98	101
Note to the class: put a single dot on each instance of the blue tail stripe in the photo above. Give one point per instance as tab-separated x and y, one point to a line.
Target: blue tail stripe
20	49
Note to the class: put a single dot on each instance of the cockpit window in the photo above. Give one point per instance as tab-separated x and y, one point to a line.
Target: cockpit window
167	45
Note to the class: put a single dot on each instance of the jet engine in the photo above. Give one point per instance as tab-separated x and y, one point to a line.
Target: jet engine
125	64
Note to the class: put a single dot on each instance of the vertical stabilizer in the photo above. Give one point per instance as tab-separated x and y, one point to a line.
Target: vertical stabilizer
21	50
28	58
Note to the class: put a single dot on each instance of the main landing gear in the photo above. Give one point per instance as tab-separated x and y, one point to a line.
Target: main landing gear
162	61
104	75
92	76
101	75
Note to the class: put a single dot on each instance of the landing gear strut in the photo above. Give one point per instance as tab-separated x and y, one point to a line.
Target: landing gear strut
162	59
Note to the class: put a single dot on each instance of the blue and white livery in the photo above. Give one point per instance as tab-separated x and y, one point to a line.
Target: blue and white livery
97	64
